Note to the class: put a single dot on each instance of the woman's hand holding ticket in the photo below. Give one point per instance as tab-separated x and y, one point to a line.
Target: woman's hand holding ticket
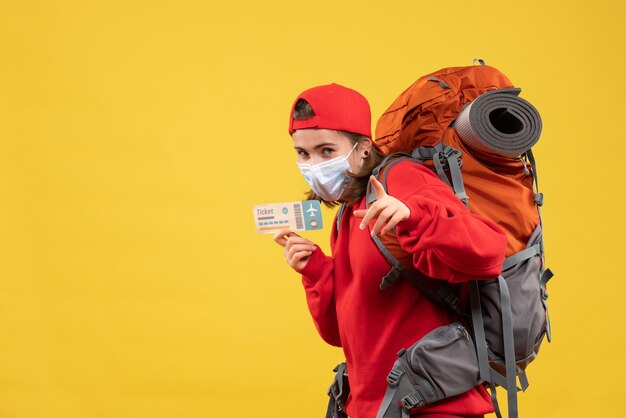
298	250
386	210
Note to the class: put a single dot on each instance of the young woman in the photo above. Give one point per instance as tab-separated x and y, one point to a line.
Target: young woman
331	130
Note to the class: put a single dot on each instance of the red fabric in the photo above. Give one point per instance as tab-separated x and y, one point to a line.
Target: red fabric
336	107
445	241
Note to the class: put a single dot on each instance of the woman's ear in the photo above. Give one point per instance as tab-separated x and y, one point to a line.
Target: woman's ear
365	147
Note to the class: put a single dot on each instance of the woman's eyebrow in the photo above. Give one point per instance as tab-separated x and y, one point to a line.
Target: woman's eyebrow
326	144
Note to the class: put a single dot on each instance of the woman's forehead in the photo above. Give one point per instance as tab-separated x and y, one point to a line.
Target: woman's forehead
310	138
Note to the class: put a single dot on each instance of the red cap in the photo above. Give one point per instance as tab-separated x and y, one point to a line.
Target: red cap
336	107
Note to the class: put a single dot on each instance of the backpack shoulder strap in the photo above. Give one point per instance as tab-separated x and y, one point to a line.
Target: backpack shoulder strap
445	159
439	292
340	212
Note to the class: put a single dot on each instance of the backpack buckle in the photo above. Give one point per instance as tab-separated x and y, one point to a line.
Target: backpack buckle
412	400
453	301
390	277
339	388
445	154
443	158
539	199
394	376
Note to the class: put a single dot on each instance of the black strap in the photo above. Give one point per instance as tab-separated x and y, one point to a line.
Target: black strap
338	393
437	291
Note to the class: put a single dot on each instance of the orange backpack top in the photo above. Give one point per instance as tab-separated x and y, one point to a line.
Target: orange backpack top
499	188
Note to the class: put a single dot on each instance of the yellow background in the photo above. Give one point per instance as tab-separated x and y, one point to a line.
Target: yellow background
135	137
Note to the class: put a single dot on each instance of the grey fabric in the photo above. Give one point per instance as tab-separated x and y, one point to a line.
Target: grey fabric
342	208
497	378
440	170
535	237
494	400
399	159
388	407
499	122
523	380
457	179
520	256
440	365
385	165
424	153
479	331
546	275
529	319
533	165
445	359
526	170
396	267
338	393
441	83
509	347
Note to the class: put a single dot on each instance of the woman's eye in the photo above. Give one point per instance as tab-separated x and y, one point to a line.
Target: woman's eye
303	154
327	151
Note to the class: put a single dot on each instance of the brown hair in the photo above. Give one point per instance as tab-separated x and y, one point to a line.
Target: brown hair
356	185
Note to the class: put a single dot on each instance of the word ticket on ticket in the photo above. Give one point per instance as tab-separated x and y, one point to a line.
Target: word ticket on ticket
298	216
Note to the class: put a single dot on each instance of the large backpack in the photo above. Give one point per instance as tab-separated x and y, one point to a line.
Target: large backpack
469	126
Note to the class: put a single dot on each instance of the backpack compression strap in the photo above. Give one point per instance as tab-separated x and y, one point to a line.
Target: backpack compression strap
546	273
487	374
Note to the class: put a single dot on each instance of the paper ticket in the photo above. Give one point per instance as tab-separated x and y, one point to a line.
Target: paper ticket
298	216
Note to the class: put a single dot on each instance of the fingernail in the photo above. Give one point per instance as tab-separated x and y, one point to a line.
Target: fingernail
362	226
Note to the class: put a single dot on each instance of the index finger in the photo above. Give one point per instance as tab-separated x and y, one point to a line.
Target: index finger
378	188
282	236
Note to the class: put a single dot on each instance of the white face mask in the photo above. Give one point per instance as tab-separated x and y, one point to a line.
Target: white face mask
327	178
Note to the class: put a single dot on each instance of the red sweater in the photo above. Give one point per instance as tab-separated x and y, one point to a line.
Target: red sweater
349	310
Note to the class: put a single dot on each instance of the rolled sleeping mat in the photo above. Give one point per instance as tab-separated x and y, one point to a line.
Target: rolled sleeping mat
499	122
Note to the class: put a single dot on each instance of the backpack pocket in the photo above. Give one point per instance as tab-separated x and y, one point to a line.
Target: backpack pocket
529	321
441	364
446	358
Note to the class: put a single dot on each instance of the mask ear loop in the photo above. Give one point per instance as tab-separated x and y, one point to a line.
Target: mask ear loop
355	145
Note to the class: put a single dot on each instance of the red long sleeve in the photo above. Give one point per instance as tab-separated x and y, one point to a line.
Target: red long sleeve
445	239
317	279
